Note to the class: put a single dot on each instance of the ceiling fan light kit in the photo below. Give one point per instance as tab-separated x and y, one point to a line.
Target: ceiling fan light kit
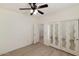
34	9
35	12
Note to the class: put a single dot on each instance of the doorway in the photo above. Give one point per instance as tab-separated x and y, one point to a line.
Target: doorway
41	33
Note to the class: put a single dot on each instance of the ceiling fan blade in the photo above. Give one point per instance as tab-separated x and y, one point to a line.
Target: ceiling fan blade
43	6
24	8
40	12
31	5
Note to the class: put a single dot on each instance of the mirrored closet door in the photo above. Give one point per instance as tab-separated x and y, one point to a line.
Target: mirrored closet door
51	33
54	34
63	35
71	36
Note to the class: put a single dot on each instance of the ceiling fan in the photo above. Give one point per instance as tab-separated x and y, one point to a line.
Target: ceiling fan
34	8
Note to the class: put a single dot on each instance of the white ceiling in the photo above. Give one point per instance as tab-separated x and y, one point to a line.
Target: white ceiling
52	7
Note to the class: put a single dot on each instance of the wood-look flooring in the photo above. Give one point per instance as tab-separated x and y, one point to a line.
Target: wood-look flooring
37	50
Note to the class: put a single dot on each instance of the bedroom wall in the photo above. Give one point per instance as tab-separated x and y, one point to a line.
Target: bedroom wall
16	30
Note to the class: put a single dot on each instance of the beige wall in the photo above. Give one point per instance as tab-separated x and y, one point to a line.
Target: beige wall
16	30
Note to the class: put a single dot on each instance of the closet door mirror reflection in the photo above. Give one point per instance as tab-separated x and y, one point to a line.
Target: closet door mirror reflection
56	34
51	33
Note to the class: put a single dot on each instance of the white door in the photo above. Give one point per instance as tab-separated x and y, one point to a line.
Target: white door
35	33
